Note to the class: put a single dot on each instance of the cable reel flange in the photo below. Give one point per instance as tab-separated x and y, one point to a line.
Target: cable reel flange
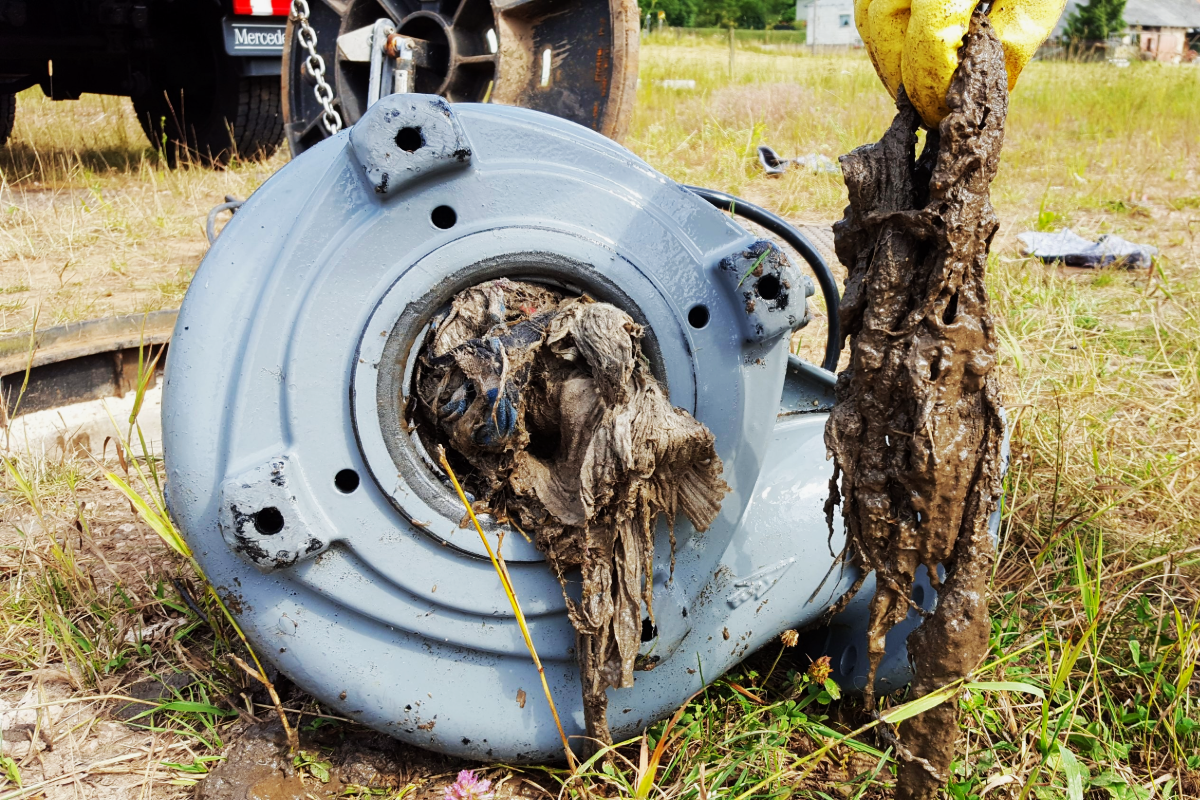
579	62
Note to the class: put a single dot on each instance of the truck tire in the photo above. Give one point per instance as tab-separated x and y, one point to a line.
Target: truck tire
240	116
259	125
8	113
199	105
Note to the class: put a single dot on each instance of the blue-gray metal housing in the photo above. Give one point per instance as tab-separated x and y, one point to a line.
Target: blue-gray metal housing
287	381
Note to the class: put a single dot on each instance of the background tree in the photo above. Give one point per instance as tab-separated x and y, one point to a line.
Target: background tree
752	14
1095	21
680	13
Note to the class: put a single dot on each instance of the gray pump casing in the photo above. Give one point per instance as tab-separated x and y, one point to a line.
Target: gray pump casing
287	379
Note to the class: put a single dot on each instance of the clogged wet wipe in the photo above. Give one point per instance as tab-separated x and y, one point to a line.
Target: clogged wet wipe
917	430
553	420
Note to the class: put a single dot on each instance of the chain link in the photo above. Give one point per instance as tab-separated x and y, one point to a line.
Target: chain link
307	37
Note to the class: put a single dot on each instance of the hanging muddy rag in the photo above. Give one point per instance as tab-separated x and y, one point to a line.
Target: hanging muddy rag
552	419
916	432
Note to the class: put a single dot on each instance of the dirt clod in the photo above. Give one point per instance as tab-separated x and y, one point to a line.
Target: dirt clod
916	432
554	420
335	761
255	768
155	688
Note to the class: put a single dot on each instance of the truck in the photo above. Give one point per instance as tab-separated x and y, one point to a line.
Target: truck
203	75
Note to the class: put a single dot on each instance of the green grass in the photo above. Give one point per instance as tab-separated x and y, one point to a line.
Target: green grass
745	37
1096	602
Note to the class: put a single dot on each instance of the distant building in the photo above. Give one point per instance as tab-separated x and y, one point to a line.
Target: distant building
830	22
1160	29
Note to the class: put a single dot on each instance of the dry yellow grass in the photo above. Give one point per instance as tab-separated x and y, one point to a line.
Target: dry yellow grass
92	223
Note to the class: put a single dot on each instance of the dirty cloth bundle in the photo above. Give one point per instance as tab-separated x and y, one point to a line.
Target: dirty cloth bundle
1075	251
774	166
917	428
556	422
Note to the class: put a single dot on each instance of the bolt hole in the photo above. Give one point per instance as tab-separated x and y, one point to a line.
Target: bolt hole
410	140
268	521
768	287
346	481
698	316
649	630
444	217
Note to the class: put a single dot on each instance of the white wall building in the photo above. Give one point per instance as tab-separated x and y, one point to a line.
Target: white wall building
830	22
1160	29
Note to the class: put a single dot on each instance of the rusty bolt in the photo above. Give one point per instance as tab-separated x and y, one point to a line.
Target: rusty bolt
394	45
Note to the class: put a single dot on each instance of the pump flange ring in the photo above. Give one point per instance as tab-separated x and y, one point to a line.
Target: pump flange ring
383	364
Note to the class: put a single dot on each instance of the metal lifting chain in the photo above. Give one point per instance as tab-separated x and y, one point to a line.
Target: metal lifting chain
316	66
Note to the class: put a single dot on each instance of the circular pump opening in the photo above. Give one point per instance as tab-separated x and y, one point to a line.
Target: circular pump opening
511	380
537	398
475	421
